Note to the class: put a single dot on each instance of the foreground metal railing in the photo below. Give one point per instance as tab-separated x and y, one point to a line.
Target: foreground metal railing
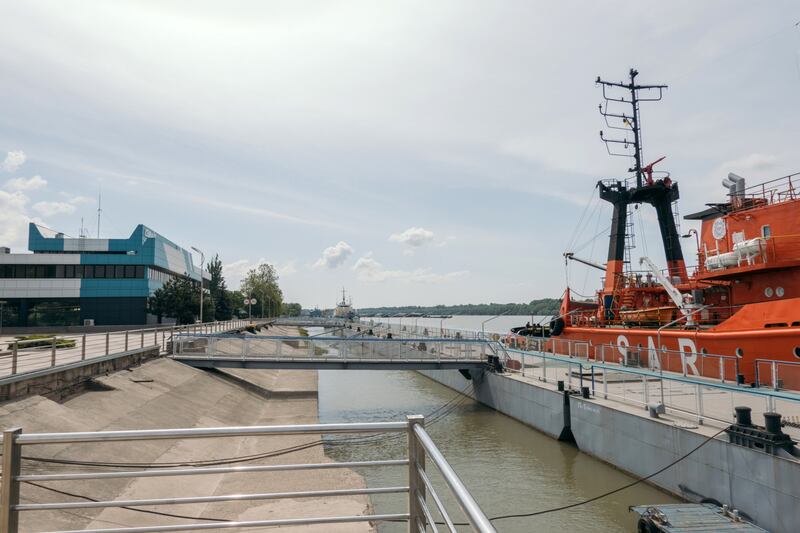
420	491
47	351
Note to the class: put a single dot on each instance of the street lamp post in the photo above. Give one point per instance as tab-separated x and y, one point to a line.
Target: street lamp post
202	261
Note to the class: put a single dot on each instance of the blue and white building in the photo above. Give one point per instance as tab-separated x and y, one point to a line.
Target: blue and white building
71	281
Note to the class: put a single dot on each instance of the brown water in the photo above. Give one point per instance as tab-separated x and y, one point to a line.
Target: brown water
508	466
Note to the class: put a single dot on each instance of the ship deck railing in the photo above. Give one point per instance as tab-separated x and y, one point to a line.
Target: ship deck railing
695	398
423	502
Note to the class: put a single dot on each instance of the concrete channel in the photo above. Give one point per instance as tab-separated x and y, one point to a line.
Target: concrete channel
161	393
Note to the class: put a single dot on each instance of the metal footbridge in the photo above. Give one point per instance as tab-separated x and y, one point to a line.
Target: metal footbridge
331	352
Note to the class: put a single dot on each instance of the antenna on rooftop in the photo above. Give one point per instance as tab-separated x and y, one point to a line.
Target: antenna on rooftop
82	233
99	209
629	122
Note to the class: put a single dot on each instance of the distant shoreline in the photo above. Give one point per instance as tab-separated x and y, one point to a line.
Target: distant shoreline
544	306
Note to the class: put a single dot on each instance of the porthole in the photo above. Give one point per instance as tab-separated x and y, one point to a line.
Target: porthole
703	351
779	292
768	292
739	352
797	351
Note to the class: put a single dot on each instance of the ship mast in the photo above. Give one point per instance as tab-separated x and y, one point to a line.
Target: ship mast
660	193
630	122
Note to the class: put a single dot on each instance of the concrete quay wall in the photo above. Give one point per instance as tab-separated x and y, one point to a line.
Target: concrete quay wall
765	487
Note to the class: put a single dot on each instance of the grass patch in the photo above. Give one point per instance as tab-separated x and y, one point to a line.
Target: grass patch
303	332
39	340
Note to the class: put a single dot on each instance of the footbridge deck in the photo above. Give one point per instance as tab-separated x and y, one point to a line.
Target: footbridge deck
331	352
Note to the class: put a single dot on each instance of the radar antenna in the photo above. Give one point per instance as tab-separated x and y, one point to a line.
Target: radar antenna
629	122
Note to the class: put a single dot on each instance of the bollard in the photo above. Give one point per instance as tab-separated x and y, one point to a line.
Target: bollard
560	384
743	415
585	393
772	423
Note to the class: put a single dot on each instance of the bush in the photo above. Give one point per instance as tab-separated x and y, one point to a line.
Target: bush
37	341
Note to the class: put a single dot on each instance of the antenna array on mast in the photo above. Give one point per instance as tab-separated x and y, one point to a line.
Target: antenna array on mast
627	122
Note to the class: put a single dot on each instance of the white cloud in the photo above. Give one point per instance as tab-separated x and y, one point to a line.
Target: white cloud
235	271
368	269
334	256
752	163
76	199
13	219
413	236
26	184
53	208
13	161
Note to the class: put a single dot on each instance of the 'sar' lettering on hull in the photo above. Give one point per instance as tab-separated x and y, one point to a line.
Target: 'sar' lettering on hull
686	347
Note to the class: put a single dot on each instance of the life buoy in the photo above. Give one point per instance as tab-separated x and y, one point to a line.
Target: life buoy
556	327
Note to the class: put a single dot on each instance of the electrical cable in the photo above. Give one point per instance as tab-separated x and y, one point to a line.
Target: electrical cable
492	519
159	513
618	489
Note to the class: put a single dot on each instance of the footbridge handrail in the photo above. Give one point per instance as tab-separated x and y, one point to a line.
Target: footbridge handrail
419	490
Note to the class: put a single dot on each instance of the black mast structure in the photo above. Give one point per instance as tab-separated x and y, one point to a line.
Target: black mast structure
660	193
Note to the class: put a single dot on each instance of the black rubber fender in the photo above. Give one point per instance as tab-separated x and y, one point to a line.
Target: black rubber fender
645	525
556	327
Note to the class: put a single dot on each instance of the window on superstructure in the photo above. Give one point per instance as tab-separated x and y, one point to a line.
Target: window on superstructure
766	232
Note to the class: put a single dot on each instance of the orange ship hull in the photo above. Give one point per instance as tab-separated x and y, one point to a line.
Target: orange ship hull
692	352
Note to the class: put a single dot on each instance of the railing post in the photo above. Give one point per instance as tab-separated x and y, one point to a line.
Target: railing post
645	391
83	347
53	352
141	345
416	488
126	342
774	375
14	349
699	404
106	342
9	491
722	369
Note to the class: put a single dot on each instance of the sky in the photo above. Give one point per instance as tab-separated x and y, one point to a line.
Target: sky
415	153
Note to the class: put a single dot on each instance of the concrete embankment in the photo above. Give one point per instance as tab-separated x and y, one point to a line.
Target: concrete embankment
764	486
166	394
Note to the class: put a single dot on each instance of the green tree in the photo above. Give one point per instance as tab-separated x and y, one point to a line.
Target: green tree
179	298
292	309
220	296
236	299
262	282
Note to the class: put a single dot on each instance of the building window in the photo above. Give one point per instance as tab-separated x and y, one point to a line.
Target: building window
99	271
119	271
60	271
